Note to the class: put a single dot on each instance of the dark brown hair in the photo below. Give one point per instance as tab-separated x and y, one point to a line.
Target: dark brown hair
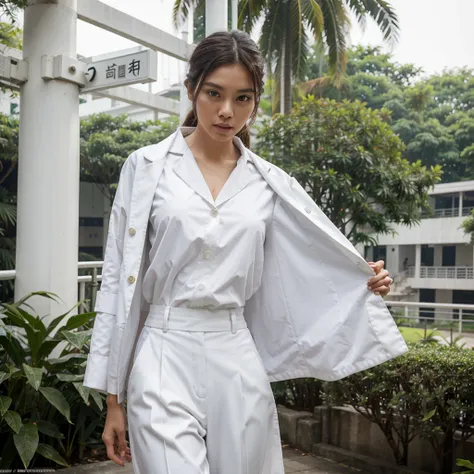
222	49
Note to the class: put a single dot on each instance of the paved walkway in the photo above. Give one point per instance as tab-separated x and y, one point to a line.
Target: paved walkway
295	463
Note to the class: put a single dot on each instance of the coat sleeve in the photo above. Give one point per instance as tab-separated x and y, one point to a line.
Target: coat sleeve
107	298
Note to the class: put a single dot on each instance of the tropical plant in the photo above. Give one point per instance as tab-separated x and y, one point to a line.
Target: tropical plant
349	161
45	411
466	463
288	26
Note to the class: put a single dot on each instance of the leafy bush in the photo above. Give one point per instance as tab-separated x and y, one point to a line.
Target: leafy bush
428	391
299	394
41	395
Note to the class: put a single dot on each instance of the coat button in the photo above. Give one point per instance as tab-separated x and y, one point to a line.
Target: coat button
131	279
200	287
132	231
214	212
308	210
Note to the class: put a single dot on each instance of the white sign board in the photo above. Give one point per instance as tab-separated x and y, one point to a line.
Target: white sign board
139	67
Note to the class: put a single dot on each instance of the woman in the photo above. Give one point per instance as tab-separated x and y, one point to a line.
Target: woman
213	228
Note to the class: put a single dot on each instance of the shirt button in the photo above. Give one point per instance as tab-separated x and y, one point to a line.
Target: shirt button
214	212
132	231
308	210
207	254
200	287
131	279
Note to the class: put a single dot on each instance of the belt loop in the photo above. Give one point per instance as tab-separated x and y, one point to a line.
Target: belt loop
165	318
233	321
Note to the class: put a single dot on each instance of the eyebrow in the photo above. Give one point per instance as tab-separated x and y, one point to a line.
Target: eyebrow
217	86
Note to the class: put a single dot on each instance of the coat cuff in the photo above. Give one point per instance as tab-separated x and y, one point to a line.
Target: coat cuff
106	303
96	372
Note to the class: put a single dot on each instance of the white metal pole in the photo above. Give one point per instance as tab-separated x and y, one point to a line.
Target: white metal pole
235	14
216	16
187	35
48	167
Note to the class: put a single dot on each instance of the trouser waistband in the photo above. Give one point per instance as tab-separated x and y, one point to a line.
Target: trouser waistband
195	319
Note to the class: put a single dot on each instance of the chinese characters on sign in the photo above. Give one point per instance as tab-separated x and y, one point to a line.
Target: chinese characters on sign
113	71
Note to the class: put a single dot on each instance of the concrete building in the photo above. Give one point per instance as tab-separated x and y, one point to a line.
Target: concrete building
433	262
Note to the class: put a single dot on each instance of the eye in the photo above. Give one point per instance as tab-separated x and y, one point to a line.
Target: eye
213	93
244	98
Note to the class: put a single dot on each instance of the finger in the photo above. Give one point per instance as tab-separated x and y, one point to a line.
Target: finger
377	266
387	281
109	444
378	278
382	291
122	444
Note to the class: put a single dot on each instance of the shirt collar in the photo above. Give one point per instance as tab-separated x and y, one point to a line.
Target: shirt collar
180	146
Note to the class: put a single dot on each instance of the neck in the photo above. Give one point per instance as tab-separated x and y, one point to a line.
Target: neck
201	144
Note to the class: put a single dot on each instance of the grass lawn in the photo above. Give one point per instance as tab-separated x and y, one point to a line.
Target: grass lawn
414	334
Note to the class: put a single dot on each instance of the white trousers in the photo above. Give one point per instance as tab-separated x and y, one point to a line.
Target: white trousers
199	399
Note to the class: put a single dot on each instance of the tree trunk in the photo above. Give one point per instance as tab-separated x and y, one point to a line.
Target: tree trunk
286	95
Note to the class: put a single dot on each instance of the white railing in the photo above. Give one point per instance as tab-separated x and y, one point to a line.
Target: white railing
447	212
456	273
439	315
88	284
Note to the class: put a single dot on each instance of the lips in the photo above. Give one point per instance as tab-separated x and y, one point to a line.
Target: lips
223	126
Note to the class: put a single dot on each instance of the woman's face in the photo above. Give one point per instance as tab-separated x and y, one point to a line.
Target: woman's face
225	101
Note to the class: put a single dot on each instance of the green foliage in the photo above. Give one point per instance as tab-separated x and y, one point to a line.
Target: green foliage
106	142
349	161
300	394
8	165
468	226
427	391
11	35
433	116
41	395
466	463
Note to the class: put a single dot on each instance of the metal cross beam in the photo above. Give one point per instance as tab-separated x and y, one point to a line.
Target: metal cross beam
127	26
145	99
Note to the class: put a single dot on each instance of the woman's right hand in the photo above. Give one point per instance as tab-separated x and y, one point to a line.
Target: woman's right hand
114	432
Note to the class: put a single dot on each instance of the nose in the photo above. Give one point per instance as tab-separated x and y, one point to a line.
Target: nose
226	111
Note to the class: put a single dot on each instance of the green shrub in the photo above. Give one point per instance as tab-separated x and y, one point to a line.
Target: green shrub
299	394
40	396
428	391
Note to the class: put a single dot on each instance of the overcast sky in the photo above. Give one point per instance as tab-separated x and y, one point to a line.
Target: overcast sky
434	34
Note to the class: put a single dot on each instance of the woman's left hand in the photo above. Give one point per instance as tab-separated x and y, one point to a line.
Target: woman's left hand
380	283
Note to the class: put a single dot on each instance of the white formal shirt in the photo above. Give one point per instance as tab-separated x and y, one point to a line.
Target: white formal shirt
206	253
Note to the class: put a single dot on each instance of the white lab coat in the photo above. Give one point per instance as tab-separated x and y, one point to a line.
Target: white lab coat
313	315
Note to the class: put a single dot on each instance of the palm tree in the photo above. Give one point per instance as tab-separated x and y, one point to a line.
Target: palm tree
288	25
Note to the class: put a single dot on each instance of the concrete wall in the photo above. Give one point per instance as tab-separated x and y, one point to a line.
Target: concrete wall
441	231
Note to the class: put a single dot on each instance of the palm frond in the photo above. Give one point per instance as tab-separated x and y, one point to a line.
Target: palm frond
250	12
383	14
181	10
7	213
335	23
272	36
314	18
